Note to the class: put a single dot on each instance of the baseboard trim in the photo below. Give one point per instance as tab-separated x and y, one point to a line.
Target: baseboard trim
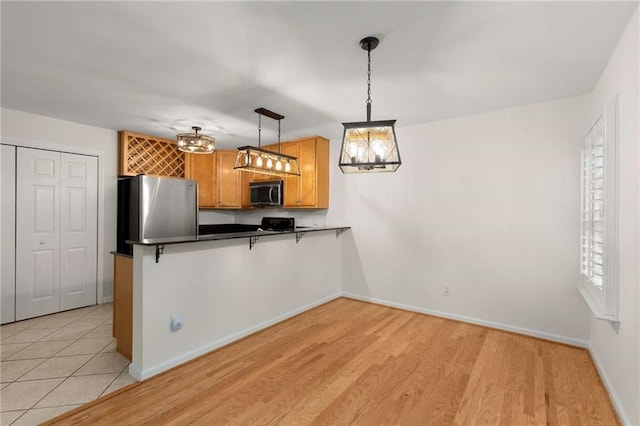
500	326
106	299
140	374
617	404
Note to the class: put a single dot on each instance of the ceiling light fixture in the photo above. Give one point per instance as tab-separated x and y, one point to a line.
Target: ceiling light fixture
195	143
369	146
260	160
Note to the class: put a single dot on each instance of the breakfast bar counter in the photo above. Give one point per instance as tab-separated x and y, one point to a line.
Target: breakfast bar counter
217	291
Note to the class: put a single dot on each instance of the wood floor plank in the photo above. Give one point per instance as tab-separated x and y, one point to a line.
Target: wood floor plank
350	362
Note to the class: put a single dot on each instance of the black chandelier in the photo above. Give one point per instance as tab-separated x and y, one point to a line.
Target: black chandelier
369	146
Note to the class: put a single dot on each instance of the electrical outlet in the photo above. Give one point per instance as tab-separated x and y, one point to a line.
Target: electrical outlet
446	290
176	322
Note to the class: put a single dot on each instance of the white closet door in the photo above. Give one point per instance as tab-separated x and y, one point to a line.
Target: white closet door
37	232
78	231
8	232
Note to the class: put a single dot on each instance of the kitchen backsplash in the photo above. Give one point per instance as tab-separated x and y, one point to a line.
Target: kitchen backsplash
303	218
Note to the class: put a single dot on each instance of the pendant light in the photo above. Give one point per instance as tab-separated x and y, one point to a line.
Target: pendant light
260	160
369	146
195	143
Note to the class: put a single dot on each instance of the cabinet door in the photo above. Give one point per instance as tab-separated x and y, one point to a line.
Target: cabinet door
202	167
291	184
245	179
311	188
322	173
229	180
123	303
307	179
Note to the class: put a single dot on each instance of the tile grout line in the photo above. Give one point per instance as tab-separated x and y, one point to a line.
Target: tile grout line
65	378
56	329
116	378
33	407
45	358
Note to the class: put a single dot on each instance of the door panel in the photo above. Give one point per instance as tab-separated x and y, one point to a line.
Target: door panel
44	203
37	232
291	184
76	278
307	164
78	231
202	168
228	177
8	205
43	286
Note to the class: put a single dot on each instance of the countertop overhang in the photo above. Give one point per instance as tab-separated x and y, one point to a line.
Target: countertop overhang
235	235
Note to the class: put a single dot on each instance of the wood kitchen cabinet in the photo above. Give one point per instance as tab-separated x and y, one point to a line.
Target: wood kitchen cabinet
245	179
123	303
311	188
203	167
229	181
150	155
220	185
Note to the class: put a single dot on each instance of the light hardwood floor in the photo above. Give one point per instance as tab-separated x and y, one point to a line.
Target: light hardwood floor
350	362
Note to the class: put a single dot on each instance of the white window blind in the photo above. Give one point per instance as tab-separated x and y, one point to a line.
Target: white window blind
598	217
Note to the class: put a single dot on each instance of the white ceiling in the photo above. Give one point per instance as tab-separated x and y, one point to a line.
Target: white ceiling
161	67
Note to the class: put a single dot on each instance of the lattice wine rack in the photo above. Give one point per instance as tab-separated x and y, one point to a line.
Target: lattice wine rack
138	153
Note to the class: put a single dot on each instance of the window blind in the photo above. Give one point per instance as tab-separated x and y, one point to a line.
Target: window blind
598	216
593	231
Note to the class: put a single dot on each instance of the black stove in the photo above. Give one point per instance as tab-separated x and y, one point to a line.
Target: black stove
267	224
278	224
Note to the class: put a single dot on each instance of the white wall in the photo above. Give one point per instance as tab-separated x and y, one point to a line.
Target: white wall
486	204
224	291
306	217
207	217
37	131
617	350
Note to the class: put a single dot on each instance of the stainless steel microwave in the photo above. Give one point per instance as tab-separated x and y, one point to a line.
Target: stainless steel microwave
265	193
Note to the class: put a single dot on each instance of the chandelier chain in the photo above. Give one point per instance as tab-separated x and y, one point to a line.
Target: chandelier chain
259	128
278	136
369	76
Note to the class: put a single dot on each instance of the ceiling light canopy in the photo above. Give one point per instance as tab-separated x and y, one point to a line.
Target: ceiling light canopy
195	143
260	160
369	146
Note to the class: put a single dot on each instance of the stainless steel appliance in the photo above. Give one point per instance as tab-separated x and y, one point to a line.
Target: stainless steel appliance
265	193
154	207
278	224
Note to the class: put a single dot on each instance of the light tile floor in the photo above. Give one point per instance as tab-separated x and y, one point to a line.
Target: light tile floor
52	364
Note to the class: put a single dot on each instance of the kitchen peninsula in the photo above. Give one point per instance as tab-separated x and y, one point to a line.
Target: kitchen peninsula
222	291
183	288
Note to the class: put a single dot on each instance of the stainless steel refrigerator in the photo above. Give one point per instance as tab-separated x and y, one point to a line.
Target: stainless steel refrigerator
154	207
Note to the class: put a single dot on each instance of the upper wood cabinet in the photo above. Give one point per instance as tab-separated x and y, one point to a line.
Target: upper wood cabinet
203	167
229	181
144	154
219	184
245	179
311	188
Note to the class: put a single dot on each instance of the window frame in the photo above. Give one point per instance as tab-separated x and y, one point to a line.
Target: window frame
599	226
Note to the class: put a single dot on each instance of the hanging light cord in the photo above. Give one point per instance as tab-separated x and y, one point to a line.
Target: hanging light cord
278	136
259	128
369	83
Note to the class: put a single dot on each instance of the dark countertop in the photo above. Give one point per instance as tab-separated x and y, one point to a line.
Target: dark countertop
234	235
117	253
